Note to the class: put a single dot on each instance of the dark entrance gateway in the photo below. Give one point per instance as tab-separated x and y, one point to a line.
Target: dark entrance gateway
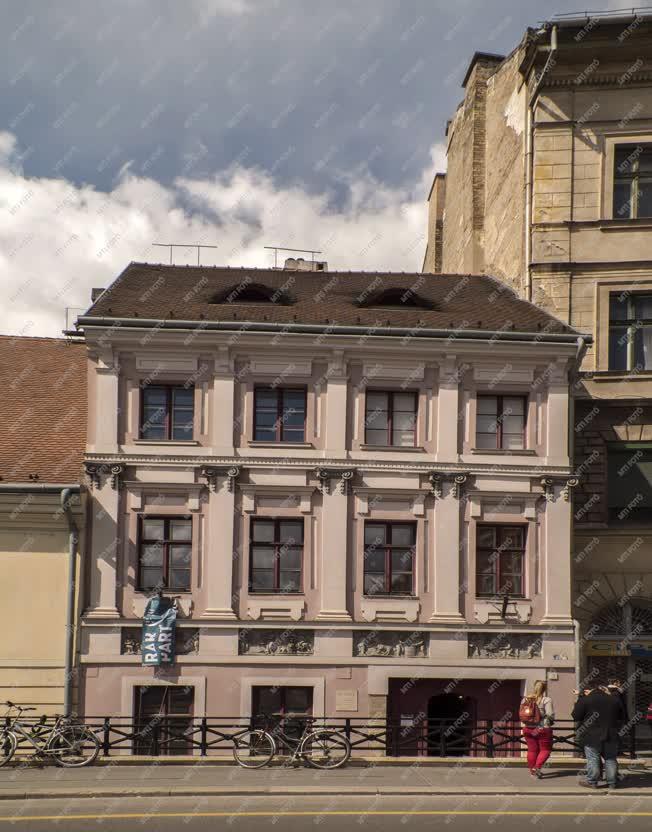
450	725
449	717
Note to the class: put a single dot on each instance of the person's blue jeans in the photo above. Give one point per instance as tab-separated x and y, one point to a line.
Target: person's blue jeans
609	752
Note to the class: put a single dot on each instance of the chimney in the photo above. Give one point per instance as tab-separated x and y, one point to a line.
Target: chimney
300	264
96	292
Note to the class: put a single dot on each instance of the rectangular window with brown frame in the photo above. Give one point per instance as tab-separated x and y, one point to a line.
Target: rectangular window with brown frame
389	558
164	553
167	412
169	709
279	414
500	422
276	556
500	560
632	194
390	418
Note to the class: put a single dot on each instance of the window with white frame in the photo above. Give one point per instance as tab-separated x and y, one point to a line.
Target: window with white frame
630	331
632	181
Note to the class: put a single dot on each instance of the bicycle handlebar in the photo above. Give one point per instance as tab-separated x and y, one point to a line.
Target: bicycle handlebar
18	707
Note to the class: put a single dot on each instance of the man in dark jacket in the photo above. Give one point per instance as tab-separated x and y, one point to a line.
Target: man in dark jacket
601	716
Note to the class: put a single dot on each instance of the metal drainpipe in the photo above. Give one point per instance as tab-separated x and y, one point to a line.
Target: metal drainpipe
529	159
73	540
581	349
578	644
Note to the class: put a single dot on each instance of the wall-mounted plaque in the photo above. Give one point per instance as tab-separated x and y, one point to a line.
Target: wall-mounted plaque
385	643
252	642
346	700
505	646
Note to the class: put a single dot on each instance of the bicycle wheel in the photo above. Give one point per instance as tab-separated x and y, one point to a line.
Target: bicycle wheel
73	747
253	749
325	749
8	745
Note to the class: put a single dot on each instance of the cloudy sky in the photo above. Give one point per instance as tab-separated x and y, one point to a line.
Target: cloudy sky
234	123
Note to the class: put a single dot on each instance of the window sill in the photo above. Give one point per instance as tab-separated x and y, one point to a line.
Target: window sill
504	451
166	592
254	594
400	448
618	223
390	596
618	375
254	443
166	442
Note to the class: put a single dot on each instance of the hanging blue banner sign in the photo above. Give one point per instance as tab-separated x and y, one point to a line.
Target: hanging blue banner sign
159	631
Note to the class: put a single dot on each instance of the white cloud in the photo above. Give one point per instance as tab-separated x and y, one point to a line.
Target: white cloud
7	146
57	239
209	8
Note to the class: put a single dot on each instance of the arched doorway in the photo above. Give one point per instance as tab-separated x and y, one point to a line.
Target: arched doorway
450	722
619	645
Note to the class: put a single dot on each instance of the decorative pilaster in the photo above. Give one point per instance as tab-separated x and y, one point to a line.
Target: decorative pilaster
448	405
458	485
107	374
571	483
105	543
435	479
548	486
97	474
334	540
223	404
211	473
218	551
557	427
556	566
337	386
344	477
446	571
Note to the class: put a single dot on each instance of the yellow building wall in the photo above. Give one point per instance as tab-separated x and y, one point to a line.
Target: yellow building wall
33	598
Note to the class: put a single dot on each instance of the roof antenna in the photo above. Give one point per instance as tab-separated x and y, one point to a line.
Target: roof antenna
276	249
198	246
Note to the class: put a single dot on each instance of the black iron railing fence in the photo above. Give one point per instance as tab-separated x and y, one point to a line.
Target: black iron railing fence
215	736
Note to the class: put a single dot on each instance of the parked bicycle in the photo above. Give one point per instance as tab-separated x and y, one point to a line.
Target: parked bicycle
319	747
69	744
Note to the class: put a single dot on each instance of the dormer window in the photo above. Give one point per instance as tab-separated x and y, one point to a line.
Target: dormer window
247	292
397	298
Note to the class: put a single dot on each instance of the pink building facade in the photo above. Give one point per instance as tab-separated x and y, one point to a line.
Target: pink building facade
361	512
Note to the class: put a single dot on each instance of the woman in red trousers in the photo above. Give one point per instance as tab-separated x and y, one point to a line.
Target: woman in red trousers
538	734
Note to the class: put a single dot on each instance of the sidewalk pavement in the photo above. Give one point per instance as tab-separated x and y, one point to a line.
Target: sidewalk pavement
198	779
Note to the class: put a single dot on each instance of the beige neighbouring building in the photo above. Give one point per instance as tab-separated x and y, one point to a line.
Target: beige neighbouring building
358	484
549	188
43	417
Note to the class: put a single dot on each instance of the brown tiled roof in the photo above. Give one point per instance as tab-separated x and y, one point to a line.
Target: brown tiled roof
42	409
456	302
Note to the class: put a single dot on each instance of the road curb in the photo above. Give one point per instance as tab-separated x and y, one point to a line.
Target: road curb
296	791
354	762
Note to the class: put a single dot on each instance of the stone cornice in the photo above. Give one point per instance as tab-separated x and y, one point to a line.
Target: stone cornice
337	466
611	79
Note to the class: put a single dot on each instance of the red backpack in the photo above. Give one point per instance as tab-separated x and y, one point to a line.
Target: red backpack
529	712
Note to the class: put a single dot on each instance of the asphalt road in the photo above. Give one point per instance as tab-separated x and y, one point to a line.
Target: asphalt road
598	811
